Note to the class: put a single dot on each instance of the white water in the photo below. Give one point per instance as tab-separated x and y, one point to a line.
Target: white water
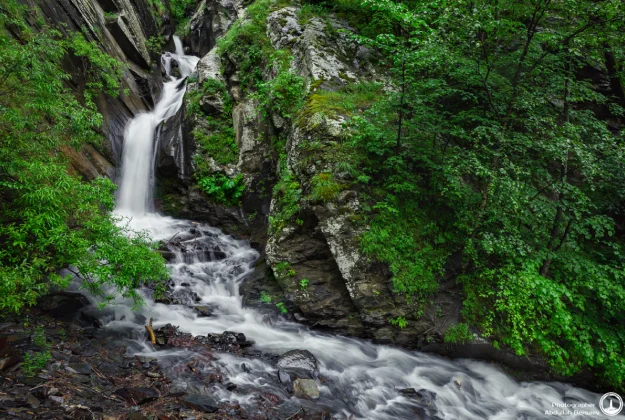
135	188
362	379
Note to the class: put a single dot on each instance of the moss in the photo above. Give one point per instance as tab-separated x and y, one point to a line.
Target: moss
347	101
213	134
310	11
324	187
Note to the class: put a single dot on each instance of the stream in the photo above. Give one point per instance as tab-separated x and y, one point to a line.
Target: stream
357	379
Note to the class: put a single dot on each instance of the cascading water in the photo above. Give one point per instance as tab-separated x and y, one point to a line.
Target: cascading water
135	188
360	379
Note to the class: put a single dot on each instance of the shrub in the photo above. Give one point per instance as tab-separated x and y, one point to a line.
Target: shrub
324	187
458	334
223	189
400	322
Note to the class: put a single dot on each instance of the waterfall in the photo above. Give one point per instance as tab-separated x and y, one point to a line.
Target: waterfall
361	380
137	175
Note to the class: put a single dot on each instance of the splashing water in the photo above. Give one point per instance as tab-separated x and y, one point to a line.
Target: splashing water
360	379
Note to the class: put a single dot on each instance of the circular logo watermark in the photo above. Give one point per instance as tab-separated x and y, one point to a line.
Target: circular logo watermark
611	404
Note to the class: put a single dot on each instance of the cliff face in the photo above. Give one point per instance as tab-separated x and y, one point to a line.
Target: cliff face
311	260
121	28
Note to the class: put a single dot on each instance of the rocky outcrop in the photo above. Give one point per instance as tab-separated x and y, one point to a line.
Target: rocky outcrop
211	20
346	289
121	28
317	267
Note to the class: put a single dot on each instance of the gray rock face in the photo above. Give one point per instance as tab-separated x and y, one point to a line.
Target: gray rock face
320	54
124	38
209	67
211	20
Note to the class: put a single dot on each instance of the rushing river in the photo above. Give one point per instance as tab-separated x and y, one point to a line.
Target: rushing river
360	379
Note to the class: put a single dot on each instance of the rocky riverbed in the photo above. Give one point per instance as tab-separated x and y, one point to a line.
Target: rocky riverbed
92	373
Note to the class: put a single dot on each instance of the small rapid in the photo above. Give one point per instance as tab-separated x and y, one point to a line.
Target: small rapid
360	380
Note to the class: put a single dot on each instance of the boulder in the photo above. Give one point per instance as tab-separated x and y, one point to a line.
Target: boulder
201	402
62	305
297	364
306	388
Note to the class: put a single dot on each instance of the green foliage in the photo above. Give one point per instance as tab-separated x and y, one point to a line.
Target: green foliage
214	134
309	11
49	218
324	187
303	284
223	189
458	334
400	322
181	10
39	337
282	308
398	237
287	194
489	148
283	269
158	10
110	17
34	362
247	44
155	44
347	101
265	297
283	95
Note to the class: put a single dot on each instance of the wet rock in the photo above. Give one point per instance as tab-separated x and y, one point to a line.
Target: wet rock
109	369
212	105
306	388
90	320
139	395
425	397
81	368
33	401
210	21
203	310
200	402
299	364
408	392
62	304
8	355
283	377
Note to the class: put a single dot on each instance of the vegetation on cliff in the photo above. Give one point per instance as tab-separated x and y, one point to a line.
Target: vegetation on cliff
497	144
49	218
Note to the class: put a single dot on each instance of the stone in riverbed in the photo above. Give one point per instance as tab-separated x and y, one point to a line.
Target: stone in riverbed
424	396
200	402
138	395
283	377
203	310
306	388
81	368
299	364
